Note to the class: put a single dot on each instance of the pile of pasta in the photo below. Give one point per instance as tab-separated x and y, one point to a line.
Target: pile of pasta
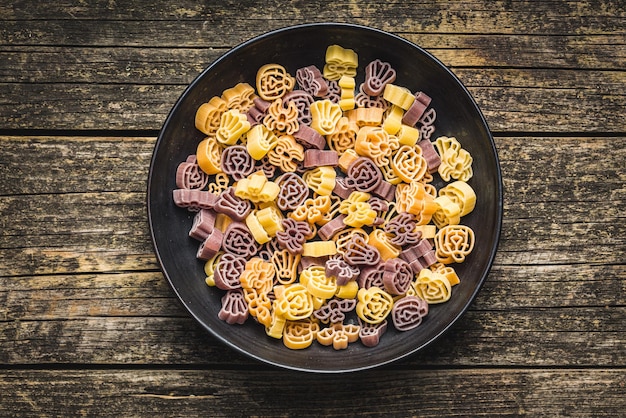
316	213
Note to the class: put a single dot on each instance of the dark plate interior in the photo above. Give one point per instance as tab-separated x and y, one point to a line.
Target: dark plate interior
296	47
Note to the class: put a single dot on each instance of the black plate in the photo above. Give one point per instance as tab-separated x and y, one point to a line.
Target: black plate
296	47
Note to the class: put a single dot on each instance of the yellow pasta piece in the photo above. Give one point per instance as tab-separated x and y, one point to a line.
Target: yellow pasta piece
319	248
324	116
373	305
293	301
273	82
258	232
453	243
347	158
456	162
427	231
312	210
447	271
393	121
209	155
220	183
286	266
209	268
240	97
260	141
342	139
286	154
367	116
347	85
209	114
257	188
320	179
462	194
298	335
317	283
408	135
270	219
348	290
339	62
448	213
233	125
379	239
432	287
276	327
398	96
408	163
373	142
338	335
357	210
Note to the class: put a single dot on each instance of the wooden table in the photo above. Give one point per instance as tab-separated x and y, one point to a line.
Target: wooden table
88	324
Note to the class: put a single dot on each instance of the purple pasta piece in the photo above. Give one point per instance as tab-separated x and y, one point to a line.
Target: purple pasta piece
331	227
311	80
190	176
268	168
338	268
341	189
397	276
236	162
306	262
194	199
385	190
426	124
378	204
316	158
419	256
309	137
407	313
377	75
334	311
417	109
363	175
334	92
358	252
371	277
228	271
303	101
370	334
293	191
293	235
234	307
258	111
211	245
238	240
433	160
362	99
203	224
401	230
233	206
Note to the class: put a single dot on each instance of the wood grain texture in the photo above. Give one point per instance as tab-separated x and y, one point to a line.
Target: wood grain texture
90	327
69	226
430	393
131	81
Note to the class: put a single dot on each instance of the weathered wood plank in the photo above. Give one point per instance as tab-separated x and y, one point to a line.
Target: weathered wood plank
425	393
114	96
68	296
536	313
62	211
233	17
161	64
